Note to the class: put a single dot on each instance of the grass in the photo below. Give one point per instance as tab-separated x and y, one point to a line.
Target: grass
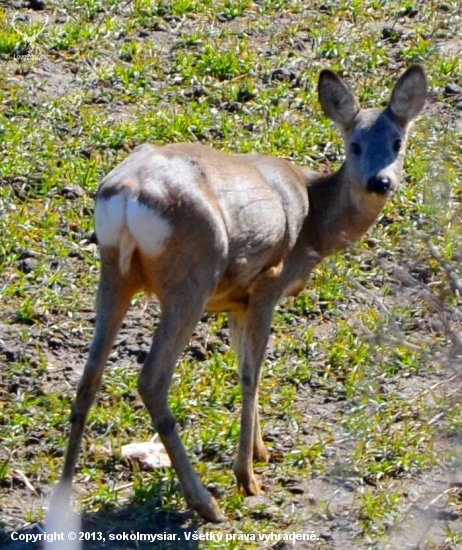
343	390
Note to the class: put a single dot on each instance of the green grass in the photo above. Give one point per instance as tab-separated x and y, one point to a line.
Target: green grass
125	73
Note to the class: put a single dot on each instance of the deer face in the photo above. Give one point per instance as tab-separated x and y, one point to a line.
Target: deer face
375	145
375	139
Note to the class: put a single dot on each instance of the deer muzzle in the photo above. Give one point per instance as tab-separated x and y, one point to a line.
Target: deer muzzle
381	185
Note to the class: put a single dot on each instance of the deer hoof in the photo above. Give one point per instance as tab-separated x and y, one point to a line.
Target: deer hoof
261	454
249	486
208	509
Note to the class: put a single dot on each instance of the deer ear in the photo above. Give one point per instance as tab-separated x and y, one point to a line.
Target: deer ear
409	94
336	98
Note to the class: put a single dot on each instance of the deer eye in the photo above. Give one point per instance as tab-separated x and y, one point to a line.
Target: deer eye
355	148
397	145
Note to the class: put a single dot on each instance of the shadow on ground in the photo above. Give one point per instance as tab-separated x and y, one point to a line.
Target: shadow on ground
118	529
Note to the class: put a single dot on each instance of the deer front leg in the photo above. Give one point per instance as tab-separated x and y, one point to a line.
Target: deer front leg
251	331
237	326
175	327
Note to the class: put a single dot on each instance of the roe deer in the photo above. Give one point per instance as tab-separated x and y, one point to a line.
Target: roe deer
205	230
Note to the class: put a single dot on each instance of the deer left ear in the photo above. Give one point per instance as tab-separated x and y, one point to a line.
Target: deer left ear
409	94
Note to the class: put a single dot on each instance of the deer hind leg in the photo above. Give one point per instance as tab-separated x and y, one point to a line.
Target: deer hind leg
251	329
180	314
113	300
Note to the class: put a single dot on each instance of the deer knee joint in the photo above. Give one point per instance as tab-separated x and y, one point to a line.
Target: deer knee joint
76	414
165	425
247	381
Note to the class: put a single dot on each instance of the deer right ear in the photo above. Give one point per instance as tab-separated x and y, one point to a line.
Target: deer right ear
336	98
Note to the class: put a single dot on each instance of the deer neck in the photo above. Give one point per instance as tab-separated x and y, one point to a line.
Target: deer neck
339	213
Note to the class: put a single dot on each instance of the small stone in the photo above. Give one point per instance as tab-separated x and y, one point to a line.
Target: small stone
55	343
10	354
283	75
223	334
392	34
158	26
24	253
27	265
85	153
325	8
296	489
311	499
452	89
72	192
245	95
224	17
37	5
198	352
142	355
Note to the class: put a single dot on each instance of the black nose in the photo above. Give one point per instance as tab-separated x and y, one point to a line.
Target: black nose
380	185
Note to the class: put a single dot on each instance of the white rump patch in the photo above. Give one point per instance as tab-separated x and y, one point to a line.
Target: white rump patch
149	229
109	219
